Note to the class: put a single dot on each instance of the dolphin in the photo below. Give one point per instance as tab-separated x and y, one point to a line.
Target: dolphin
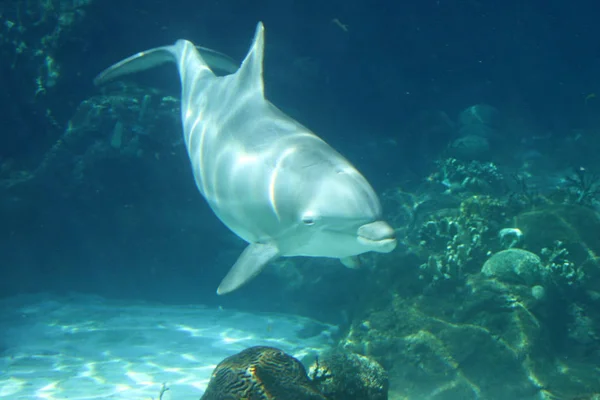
269	179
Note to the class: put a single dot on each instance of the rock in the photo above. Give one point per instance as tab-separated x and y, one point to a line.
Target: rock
515	266
480	352
479	130
575	226
538	292
470	147
343	375
479	115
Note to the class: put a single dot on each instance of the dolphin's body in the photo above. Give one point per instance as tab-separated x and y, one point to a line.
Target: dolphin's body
270	180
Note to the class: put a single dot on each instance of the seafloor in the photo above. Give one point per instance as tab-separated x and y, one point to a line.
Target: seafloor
89	348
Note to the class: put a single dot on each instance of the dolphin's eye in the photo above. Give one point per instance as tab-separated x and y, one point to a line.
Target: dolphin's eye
309	219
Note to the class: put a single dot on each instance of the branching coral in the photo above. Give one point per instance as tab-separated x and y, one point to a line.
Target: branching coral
583	187
458	244
564	272
473	176
161	393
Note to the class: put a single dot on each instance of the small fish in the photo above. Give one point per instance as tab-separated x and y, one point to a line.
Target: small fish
589	97
339	24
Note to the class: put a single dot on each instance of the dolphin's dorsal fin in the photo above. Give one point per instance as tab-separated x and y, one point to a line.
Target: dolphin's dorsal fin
250	74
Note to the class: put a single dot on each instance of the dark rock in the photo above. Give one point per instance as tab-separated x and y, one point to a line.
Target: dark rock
343	375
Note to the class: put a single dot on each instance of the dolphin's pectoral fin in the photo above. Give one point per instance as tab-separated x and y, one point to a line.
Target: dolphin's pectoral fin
251	262
353	262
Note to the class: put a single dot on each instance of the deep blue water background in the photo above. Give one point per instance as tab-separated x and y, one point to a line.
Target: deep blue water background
534	60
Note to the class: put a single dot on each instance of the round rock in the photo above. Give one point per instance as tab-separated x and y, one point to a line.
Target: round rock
343	375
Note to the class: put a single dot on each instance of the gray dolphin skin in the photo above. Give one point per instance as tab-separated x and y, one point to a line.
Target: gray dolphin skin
269	179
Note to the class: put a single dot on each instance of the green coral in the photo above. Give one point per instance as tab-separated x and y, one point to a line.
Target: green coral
469	176
457	243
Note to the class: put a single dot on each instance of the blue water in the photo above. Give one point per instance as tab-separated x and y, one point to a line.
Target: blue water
465	117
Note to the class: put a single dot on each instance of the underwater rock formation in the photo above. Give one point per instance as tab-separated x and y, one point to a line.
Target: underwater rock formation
470	147
50	22
106	183
480	119
107	134
576	227
343	375
479	352
35	40
490	341
487	314
477	129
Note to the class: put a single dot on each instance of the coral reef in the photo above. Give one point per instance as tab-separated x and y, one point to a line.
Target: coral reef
504	302
582	187
261	373
515	266
468	176
33	31
268	373
37	41
343	375
457	241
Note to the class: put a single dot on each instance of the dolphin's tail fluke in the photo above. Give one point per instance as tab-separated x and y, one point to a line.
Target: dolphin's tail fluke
176	53
137	62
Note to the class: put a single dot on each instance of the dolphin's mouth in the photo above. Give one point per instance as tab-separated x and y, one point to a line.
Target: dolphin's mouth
378	235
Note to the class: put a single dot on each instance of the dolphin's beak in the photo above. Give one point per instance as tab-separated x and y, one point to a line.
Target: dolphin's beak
378	235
